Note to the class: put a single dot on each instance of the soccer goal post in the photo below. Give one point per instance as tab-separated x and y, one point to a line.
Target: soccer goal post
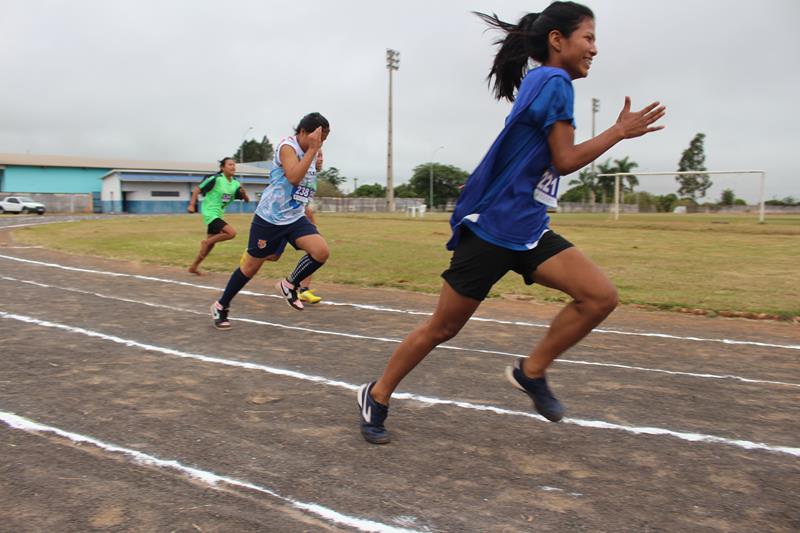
619	175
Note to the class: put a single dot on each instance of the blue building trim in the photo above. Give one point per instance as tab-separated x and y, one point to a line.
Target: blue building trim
184	178
242	207
114	206
170	206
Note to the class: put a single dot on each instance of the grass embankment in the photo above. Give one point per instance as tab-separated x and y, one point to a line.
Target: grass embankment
706	262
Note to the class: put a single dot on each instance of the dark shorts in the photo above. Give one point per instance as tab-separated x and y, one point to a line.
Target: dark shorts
477	265
216	225
270	239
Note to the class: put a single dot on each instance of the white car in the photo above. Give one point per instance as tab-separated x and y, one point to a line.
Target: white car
20	204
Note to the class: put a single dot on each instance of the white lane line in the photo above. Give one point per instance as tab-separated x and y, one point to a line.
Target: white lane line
594	424
731	377
382	309
36	224
205	476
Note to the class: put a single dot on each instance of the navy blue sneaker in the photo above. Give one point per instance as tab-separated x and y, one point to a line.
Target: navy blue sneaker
544	401
372	415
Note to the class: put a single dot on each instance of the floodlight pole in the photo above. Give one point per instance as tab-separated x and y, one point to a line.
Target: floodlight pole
433	156
392	64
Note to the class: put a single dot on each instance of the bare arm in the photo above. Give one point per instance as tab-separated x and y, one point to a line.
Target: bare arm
310	215
294	168
569	157
193	202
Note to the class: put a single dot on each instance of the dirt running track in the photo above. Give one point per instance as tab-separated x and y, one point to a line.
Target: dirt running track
110	370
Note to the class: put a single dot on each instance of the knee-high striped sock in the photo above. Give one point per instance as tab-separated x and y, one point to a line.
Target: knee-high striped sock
305	267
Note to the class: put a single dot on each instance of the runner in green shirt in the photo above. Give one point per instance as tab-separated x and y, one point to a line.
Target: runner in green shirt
219	190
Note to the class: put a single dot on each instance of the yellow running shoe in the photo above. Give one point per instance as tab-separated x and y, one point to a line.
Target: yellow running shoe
307	295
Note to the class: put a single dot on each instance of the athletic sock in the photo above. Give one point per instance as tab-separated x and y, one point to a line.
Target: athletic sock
235	284
305	267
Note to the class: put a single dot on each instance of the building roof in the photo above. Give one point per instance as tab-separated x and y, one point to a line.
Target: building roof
177	176
88	162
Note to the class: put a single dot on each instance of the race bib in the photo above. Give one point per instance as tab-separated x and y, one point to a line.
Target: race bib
302	194
547	189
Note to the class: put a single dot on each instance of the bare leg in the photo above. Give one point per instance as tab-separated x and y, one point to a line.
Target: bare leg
206	245
452	312
227	233
594	297
205	249
315	246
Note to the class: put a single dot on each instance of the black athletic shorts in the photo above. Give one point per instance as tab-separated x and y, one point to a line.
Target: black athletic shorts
270	239
216	225
477	265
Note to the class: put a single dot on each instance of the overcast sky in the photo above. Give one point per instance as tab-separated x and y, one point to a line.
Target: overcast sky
184	80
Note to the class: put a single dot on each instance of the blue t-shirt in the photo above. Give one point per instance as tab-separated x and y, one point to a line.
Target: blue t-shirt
505	200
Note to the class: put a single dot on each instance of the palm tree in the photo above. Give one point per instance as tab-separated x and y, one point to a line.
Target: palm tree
587	180
623	165
605	184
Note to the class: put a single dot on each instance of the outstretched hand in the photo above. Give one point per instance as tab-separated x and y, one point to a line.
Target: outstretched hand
637	123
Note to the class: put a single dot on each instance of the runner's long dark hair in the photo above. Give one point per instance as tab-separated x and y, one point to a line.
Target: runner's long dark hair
311	122
528	39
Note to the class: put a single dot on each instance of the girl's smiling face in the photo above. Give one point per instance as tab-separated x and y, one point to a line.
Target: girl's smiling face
574	53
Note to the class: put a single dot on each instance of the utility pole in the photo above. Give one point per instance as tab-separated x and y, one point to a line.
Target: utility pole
595	109
392	64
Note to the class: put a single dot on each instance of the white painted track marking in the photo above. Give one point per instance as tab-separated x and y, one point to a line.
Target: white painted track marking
395	340
377	308
594	424
205	476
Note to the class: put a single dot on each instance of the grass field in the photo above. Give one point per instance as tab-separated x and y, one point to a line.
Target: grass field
711	262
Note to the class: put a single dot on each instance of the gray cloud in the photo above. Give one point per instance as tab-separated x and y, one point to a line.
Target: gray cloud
183	80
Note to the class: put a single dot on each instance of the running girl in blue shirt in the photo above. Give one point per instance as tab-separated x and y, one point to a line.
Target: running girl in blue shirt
280	218
500	222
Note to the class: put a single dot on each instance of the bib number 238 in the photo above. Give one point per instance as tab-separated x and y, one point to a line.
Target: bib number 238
302	194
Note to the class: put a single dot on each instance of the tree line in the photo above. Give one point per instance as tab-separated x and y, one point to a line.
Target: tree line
591	186
447	179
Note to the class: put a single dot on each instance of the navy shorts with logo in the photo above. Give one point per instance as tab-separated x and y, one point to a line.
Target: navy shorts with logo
270	239
477	265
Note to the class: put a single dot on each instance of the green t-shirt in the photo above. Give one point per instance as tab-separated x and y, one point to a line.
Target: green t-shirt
219	191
